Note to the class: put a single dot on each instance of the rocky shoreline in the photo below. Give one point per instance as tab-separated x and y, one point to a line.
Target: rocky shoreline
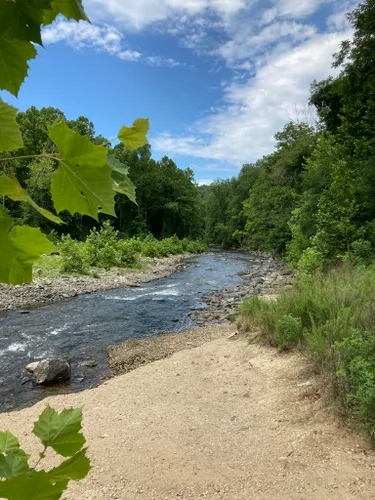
49	290
266	276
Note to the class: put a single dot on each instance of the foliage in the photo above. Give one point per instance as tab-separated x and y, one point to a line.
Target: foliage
105	249
333	315
288	330
62	433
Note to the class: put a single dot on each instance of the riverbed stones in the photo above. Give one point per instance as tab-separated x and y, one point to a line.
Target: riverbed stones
51	371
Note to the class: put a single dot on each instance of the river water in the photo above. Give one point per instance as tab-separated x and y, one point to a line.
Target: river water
81	328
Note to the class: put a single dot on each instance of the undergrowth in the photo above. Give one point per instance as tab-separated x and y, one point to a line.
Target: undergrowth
104	249
333	316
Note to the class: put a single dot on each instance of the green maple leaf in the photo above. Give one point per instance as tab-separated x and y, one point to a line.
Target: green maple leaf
10	133
22	19
20	248
75	468
61	431
71	9
121	182
136	136
9	186
83	181
13	460
9	444
14	55
13	465
33	485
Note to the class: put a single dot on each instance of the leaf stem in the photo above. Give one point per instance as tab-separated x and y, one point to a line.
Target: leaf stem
52	157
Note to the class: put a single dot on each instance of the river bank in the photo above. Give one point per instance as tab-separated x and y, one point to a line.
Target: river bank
49	290
224	420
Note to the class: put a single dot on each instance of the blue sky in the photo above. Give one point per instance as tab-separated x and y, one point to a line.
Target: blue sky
217	78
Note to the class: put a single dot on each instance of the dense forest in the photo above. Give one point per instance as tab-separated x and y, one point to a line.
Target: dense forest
166	201
313	198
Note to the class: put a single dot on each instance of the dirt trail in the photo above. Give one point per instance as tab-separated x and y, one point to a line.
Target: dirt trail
222	421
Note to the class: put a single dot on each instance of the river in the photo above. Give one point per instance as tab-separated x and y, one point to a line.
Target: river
80	329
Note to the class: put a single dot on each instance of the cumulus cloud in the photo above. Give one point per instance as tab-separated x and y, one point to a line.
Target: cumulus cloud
255	110
246	44
104	38
138	14
293	9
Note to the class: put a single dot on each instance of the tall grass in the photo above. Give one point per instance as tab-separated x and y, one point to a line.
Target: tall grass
333	317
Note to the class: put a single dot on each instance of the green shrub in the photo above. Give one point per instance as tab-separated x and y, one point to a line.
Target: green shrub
333	315
76	257
310	262
362	252
104	249
288	330
356	374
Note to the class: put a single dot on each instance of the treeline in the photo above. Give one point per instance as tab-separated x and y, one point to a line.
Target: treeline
313	198
168	199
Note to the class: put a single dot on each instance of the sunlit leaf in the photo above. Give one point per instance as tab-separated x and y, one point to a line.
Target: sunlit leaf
23	19
14	55
33	485
9	186
75	468
9	444
71	9
136	136
61	431
20	248
13	465
10	133
83	181
121	182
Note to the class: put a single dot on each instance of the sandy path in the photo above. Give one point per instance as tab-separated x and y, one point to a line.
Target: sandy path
223	420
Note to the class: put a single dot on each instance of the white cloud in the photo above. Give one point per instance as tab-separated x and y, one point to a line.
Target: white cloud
293	9
138	14
243	131
163	61
104	38
338	20
81	35
245	44
204	182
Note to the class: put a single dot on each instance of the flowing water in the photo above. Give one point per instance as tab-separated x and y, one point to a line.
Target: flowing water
81	328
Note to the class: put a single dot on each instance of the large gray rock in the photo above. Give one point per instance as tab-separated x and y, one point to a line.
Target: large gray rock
50	371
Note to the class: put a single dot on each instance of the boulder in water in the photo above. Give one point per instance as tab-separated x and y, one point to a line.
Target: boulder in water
32	366
51	371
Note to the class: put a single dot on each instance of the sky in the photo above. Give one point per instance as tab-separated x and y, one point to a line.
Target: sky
216	78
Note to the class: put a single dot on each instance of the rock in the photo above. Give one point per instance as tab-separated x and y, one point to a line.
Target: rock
90	363
50	371
32	366
305	384
25	380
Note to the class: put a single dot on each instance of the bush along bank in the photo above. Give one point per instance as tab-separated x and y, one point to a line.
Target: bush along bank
104	249
332	316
